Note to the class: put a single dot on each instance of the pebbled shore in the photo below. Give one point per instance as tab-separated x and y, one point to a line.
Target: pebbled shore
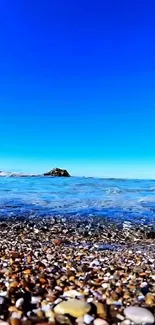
101	266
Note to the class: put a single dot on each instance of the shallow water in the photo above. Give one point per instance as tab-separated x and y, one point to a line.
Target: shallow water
131	200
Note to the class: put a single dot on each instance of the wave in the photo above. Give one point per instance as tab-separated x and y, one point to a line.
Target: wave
14	174
26	195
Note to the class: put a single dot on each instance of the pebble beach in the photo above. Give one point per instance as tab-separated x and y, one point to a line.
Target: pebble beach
63	272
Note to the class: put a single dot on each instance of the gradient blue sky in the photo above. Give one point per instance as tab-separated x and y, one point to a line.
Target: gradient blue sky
77	86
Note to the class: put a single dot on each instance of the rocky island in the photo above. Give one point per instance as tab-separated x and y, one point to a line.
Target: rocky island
58	172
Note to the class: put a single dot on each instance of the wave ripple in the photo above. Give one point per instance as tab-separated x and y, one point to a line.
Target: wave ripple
86	197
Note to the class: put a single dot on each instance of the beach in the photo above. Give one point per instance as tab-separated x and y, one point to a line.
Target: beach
49	261
67	268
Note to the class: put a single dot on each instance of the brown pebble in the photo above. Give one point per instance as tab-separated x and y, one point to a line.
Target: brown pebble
101	309
14	284
150	299
15	321
28	271
12	309
62	319
57	241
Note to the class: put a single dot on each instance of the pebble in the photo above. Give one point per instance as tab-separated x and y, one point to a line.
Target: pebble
150	299
16	315
88	319
139	315
35	300
2	300
101	309
49	314
73	307
100	321
19	302
71	294
126	322
15	321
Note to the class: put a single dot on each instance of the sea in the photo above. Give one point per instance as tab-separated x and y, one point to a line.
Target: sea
125	200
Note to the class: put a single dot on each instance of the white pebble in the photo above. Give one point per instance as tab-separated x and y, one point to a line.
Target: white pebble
45	308
5	264
100	321
36	231
143	284
15	315
19	302
88	319
139	315
35	300
72	294
57	301
58	288
141	298
126	322
105	285
95	262
4	293
119	316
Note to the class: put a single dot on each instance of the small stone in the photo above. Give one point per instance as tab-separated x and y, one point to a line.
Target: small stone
15	321
126	322
71	294
11	309
19	302
100	321
2	300
49	257
101	309
49	314
16	315
62	319
150	299
88	319
57	241
119	316
40	314
80	321
105	285
139	315
35	300
73	307
14	284
14	254
27	272
143	284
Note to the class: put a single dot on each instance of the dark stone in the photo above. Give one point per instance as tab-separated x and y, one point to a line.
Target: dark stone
58	172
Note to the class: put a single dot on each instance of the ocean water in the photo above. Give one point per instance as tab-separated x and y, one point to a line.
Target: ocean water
118	199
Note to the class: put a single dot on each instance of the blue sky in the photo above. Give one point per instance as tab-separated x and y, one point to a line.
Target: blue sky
77	86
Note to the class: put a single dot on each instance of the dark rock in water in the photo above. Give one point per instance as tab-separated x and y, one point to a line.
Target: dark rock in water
58	172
